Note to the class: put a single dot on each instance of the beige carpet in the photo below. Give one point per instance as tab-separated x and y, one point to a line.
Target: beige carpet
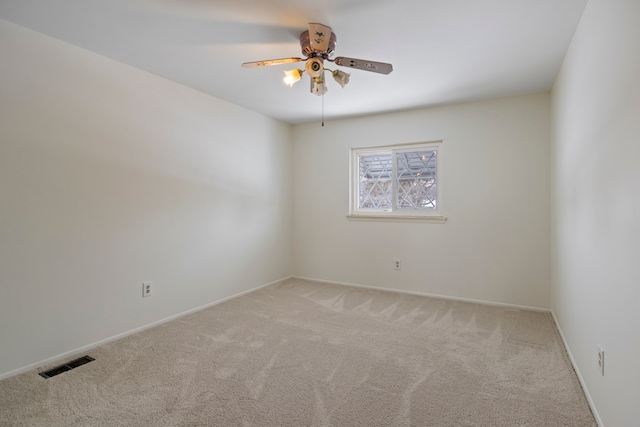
301	353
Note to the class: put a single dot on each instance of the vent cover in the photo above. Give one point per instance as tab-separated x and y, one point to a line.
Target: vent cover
66	367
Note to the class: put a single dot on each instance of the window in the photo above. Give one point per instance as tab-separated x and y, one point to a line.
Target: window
400	182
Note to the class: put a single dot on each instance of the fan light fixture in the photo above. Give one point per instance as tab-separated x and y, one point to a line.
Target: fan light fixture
291	77
341	77
318	87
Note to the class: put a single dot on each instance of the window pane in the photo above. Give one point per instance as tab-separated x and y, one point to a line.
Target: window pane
416	180
374	189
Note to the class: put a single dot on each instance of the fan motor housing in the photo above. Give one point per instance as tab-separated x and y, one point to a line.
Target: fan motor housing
308	51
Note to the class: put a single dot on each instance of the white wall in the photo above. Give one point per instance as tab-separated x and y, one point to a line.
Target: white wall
110	176
495	243
596	205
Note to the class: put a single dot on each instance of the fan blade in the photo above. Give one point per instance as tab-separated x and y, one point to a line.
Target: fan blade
362	64
319	36
268	62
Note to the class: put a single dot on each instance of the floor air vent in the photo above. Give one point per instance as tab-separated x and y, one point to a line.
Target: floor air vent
66	367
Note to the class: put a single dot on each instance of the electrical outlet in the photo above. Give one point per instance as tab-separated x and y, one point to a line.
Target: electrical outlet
147	289
601	360
397	264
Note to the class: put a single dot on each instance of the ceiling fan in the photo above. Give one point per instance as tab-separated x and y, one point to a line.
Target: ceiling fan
318	44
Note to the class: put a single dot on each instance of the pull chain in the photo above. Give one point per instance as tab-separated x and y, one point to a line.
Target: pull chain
323	109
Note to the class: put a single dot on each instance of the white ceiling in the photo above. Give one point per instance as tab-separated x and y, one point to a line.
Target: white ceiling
442	51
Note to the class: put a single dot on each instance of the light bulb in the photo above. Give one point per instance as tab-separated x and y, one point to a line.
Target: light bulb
292	76
341	77
318	87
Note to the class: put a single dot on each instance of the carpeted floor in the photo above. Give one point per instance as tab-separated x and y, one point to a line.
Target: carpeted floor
301	353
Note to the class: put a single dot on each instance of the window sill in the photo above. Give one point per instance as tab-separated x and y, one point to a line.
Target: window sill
436	219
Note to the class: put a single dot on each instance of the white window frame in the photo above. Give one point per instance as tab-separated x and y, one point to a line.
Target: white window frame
395	214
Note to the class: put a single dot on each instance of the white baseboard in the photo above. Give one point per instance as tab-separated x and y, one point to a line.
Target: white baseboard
425	294
578	374
88	347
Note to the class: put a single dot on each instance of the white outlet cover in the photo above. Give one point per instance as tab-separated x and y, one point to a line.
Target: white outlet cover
147	289
601	360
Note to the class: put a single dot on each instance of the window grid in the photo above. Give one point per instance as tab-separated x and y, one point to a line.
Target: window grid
416	180
397	180
375	188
